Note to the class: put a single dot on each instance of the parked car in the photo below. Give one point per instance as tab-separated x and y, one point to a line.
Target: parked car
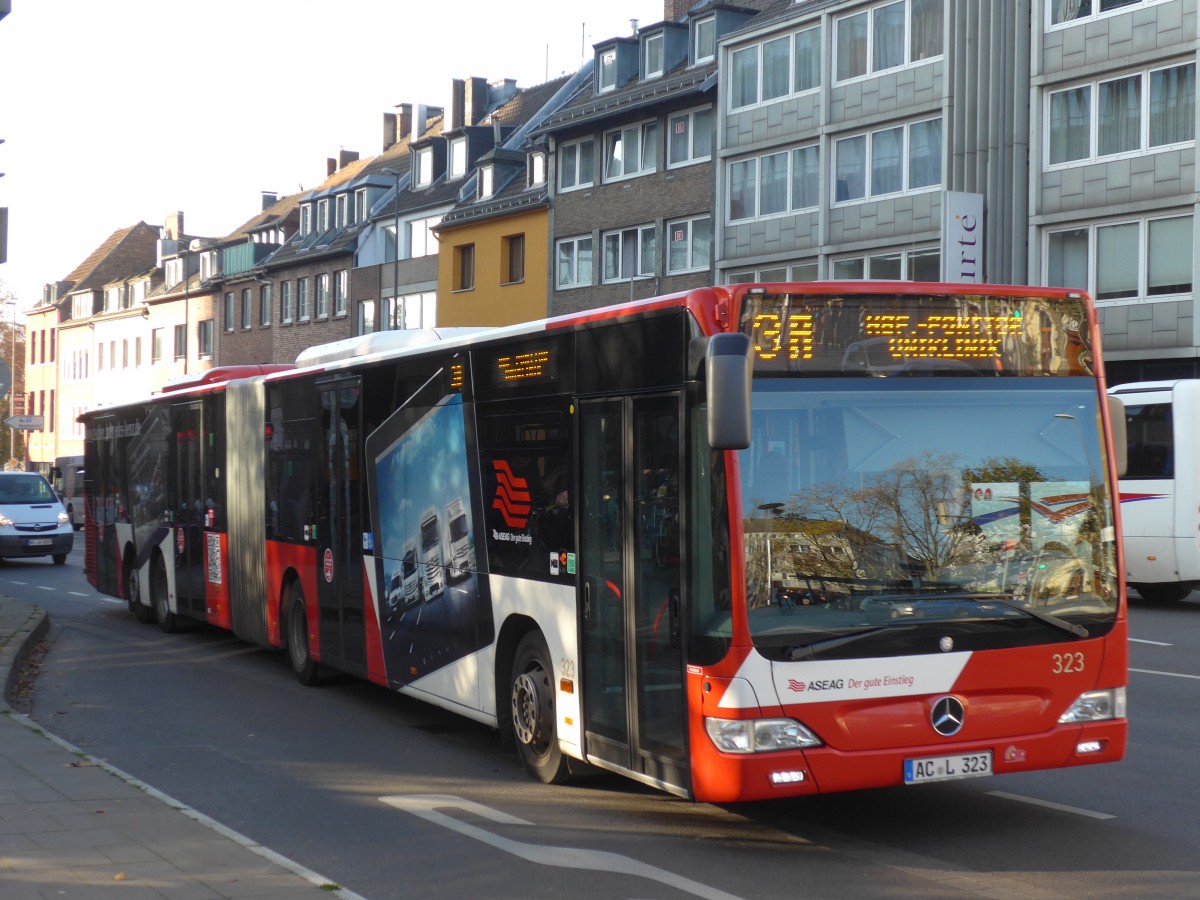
33	520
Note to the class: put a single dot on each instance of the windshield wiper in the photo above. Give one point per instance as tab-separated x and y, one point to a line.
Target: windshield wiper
1048	618
809	651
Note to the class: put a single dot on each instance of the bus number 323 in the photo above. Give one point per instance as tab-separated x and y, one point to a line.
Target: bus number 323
1066	663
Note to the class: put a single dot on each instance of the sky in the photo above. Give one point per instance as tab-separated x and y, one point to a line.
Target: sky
123	111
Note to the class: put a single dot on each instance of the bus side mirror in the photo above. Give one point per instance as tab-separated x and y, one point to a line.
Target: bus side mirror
1120	438
728	367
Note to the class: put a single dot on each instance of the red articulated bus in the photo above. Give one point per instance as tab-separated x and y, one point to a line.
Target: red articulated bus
736	543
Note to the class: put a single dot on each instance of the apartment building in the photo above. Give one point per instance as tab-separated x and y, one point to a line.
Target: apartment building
1112	154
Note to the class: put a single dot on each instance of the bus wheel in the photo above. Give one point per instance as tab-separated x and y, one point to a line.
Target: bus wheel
158	596
1162	593
302	662
133	596
533	713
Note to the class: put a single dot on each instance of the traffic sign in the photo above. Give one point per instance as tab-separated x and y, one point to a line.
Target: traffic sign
26	423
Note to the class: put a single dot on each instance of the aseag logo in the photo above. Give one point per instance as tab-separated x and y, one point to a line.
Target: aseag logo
512	496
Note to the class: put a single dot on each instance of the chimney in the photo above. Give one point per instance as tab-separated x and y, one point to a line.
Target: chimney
330	166
173	227
477	99
345	157
420	120
269	199
389	130
459	105
674	10
403	120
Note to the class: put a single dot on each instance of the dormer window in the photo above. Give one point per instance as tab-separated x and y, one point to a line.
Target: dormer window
705	31
424	167
306	219
536	172
360	205
323	216
487	181
606	71
173	271
458	157
340	216
208	264
112	299
652	64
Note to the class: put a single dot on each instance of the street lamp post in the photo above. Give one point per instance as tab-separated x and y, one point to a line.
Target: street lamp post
396	254
12	388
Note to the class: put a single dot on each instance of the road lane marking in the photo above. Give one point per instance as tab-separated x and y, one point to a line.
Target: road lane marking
1169	674
42	587
427	806
1048	804
80	594
1155	643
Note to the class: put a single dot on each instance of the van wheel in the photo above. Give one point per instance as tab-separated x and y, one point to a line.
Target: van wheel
303	664
59	559
533	714
1162	593
158	596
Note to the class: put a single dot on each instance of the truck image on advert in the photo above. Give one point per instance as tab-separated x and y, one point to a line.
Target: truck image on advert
462	560
410	575
432	580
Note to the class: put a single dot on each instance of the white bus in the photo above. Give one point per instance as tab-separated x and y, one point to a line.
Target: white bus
1160	491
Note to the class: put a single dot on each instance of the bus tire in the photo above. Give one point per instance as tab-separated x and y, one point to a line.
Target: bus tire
1162	593
302	662
133	596
533	713
158	597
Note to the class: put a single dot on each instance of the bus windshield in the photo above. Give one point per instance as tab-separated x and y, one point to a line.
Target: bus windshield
973	505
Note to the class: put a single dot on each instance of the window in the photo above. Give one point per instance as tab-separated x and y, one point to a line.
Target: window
888	161
423	167
487	181
125	354
514	258
412	311
458	157
689	137
573	262
1128	117
575	165
900	265
264	305
1069	12
302	300
112	299
689	245
323	216
137	352
422	240
360	205
204	338
705	32
773	184
887	36
156	345
172	272
464	267
537	170
323	296
629	253
606	71
341	290
180	342
1128	261
652	65
100	357
285	301
366	317
306	219
228	310
631	151
247	309
776	68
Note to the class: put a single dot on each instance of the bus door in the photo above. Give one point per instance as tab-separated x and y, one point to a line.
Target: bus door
339	518
188	510
630	585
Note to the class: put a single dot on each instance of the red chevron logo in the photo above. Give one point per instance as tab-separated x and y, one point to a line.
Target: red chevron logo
512	496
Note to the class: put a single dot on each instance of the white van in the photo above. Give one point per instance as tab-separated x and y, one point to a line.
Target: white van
33	521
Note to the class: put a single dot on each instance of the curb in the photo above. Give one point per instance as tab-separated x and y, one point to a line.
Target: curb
15	647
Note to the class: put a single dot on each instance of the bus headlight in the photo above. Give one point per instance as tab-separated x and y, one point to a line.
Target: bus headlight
759	735
1096	706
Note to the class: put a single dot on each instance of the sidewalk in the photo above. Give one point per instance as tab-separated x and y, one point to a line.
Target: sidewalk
74	827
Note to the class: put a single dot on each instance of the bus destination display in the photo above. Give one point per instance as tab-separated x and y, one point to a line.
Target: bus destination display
895	334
